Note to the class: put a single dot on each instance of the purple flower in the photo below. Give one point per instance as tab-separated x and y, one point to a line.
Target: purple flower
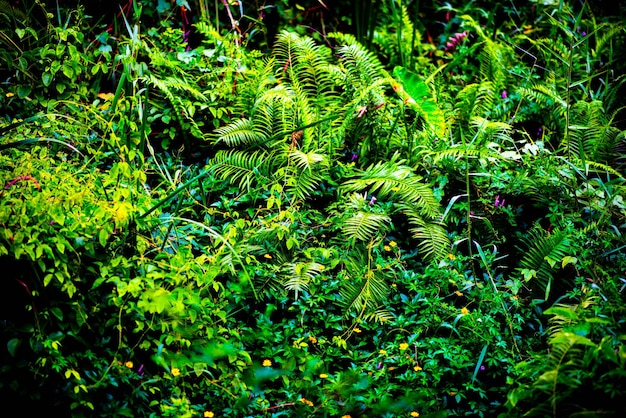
504	94
498	202
373	200
354	157
482	368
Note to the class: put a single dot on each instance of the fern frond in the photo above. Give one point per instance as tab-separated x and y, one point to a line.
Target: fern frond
243	168
476	100
299	275
433	242
591	135
365	226
398	182
544	253
363	290
490	131
362	67
240	132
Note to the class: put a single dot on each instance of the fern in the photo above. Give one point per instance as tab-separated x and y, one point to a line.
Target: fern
544	253
365	226
243	168
397	182
240	132
411	197
299	275
590	135
364	290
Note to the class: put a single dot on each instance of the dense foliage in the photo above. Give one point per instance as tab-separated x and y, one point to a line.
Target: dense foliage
379	208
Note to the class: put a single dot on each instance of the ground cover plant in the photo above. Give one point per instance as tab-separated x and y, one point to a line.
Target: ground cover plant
312	208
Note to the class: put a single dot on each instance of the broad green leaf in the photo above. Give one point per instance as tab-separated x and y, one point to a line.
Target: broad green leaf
420	99
13	345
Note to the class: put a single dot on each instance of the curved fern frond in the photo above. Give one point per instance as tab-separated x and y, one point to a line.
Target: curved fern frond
243	168
239	132
299	275
363	290
433	241
365	226
591	135
397	182
544	254
362	67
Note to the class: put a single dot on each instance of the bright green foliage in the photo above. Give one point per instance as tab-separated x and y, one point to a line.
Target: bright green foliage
424	218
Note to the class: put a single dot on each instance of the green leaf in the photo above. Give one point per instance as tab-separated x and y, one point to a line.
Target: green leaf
103	236
420	99
46	78
13	345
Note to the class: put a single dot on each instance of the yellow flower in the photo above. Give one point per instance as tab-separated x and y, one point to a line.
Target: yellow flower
129	364
357	330
464	311
383	352
417	368
415	414
403	346
387	248
451	256
346	416
456	292
208	414
267	256
393	244
312	339
175	371
306	401
10	94
267	363
323	376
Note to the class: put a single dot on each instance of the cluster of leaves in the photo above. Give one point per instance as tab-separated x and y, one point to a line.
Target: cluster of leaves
193	228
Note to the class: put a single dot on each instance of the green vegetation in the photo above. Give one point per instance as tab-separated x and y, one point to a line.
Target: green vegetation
299	208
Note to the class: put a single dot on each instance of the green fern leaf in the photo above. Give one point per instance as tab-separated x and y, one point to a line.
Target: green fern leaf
299	275
365	226
397	182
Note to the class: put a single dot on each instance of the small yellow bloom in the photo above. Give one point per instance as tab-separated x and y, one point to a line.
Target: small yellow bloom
451	256
9	94
175	371
383	352
267	363
323	376
357	330
456	292
464	311
129	364
208	414
269	257
390	368
417	368
393	244
312	339
403	346
306	401
346	416
415	414
322	267
387	248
